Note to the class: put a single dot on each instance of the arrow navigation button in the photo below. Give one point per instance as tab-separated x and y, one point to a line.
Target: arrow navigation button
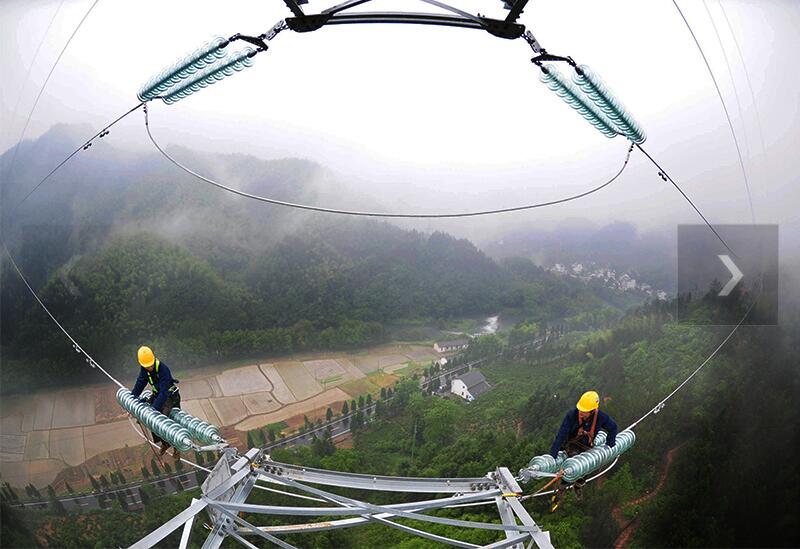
736	275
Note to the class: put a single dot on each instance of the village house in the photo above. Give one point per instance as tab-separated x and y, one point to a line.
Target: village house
448	346
469	386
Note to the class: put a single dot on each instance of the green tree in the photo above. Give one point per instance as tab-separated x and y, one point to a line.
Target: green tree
68	487
104	482
358	421
154	468
95	484
144	496
328	414
145	473
345	408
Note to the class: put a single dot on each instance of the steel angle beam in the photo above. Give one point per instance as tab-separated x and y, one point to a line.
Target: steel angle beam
178	520
294	7
497	27
507	517
278	472
246	459
222	524
187	529
241	540
508	542
344	6
170	526
416	516
516	10
255	530
355	521
423	533
353	510
313	526
540	537
220	474
510	503
507	482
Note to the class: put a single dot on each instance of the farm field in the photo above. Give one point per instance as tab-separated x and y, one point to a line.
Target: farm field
53	434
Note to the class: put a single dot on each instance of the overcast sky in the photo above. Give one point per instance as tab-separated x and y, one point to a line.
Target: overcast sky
446	117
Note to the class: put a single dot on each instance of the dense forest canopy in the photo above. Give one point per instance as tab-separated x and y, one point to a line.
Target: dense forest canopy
139	254
728	433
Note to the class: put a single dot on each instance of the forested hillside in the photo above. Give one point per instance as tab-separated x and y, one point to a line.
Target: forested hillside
138	254
704	500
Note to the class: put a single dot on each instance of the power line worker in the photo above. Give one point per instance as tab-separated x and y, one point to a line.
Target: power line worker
577	433
165	395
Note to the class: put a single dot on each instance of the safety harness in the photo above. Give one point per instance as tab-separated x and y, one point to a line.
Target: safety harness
590	432
154	381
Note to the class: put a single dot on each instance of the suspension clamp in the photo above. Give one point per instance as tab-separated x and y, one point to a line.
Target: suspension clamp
276	28
532	42
544	56
257	41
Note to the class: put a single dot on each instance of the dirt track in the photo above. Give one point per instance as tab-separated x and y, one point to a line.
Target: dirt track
629	527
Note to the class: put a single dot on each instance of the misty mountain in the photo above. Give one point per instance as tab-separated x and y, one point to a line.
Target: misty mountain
111	192
125	248
618	245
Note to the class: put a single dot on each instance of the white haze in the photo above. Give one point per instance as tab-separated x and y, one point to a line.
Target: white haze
446	119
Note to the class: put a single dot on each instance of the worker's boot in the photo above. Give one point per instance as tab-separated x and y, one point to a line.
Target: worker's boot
577	487
555	499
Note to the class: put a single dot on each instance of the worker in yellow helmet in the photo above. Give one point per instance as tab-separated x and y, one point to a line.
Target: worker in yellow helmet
577	432
165	395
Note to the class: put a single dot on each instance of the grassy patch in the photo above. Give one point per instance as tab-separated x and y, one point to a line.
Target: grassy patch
357	387
382	379
412	368
277	426
332	379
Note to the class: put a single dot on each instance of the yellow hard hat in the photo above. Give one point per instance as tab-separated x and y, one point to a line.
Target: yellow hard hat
146	356
589	401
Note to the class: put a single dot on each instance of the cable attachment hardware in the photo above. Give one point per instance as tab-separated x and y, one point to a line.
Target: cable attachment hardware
532	42
257	41
276	28
659	407
544	56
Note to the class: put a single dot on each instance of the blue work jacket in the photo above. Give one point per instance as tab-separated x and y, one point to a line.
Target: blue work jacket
569	429
160	379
